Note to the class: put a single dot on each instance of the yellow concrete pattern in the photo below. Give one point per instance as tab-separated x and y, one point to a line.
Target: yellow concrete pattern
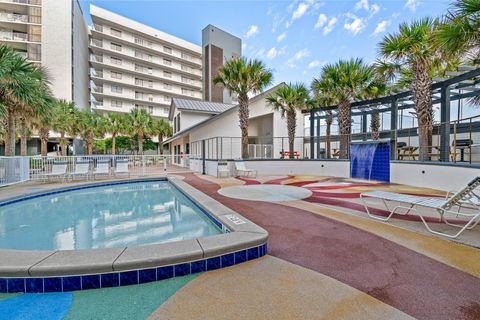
459	256
271	288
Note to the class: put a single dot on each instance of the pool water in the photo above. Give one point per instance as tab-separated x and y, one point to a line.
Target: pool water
111	216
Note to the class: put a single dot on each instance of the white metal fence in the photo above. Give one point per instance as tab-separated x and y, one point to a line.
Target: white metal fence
20	169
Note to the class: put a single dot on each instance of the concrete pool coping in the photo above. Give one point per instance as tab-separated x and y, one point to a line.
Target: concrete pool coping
241	234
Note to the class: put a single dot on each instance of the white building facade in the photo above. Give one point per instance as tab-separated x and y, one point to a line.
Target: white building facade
134	65
53	34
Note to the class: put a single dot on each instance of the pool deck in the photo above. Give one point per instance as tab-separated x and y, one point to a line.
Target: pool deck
327	260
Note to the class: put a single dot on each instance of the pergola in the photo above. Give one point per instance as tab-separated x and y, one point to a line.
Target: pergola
457	85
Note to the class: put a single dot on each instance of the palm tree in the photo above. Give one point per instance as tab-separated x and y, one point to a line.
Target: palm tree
116	123
140	122
90	126
23	86
161	128
288	100
64	121
43	125
343	83
412	47
458	32
241	77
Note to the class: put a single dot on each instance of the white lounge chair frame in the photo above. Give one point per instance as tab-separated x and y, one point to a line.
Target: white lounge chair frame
82	169
121	167
466	198
59	170
103	168
223	170
243	171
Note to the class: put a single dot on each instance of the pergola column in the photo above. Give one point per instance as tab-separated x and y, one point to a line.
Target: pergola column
445	124
393	128
318	138
364	126
312	133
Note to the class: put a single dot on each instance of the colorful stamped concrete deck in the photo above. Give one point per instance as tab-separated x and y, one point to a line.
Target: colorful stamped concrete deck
326	260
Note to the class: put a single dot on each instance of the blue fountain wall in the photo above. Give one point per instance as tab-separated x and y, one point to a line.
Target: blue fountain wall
370	160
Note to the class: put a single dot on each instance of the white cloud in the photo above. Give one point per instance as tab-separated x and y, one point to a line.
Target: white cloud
299	12
252	30
362	4
282	36
412	5
272	53
381	27
322	19
299	55
260	53
330	25
355	25
375	9
315	64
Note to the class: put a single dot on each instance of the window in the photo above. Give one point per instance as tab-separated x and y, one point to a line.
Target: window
186	56
187	80
188	92
116	103
143	42
116	88
150	97
167	62
167	74
166	98
34	15
139	95
115	32
186	68
178	122
150	109
167	86
166	110
115	75
116	47
167	50
116	61
150	83
142	55
141	68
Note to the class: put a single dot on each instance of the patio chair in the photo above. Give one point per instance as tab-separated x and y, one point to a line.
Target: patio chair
222	170
121	167
81	169
59	171
103	168
467	198
243	171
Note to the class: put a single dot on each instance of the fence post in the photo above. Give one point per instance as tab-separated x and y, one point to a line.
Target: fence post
165	166
143	165
203	156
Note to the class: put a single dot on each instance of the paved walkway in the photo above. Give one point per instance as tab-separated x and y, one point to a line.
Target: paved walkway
326	261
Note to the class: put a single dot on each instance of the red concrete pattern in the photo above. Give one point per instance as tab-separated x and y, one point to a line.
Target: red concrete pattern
405	279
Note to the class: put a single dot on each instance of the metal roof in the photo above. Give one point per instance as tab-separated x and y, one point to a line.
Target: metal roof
201	106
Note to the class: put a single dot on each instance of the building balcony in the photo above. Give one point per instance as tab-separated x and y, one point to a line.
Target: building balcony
29	2
16	18
19	36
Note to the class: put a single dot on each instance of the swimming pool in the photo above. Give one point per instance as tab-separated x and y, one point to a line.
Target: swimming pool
112	216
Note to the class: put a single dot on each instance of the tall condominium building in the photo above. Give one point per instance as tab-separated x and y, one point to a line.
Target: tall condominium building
52	33
134	65
218	47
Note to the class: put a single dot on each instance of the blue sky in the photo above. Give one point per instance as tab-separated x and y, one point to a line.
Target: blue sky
294	38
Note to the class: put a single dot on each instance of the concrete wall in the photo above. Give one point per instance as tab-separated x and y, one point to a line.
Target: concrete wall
81	92
57	45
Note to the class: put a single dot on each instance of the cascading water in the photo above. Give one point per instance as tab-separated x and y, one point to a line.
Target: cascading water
370	160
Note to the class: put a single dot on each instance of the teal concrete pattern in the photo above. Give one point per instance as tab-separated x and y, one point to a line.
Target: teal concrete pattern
129	302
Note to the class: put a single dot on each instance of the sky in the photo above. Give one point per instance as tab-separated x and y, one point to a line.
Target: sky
293	38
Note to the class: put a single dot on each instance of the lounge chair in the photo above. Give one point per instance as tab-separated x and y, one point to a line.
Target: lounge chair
81	170
222	170
103	168
243	171
121	167
467	198
59	171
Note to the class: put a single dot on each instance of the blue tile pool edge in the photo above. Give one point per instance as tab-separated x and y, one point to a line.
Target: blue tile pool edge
130	277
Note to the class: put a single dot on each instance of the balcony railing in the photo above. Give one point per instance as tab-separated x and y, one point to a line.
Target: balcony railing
98	89
19	36
13	17
34	2
96	43
96	58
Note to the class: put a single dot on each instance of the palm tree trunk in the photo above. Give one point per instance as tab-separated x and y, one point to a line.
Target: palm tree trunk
375	125
329	121
23	138
291	125
89	142
10	134
63	149
344	123
140	143
43	132
243	114
114	142
160	144
422	97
